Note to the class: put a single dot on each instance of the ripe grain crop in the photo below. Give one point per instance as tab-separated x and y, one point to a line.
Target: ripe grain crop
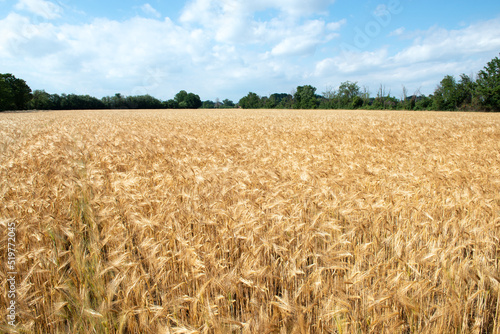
252	221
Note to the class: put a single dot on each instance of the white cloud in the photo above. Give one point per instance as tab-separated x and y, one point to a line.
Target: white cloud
227	21
298	7
149	10
208	10
227	47
19	37
352	62
45	9
234	21
303	39
213	45
103	52
334	26
441	44
433	54
294	46
398	32
136	56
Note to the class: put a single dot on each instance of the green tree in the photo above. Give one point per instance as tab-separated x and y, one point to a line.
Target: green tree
365	96
251	101
208	104
187	100
55	101
193	101
15	94
380	102
465	93
115	102
446	95
227	103
347	91
328	98
41	101
22	93
423	102
171	104
180	97
305	97
271	102
143	102
80	102
412	102
391	102
6	96
357	102
286	102
488	85
278	100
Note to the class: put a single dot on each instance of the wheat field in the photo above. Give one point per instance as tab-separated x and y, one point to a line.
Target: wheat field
238	221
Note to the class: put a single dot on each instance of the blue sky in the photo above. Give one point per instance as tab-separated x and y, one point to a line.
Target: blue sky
226	48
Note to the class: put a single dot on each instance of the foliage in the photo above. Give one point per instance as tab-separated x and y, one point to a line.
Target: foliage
357	102
132	102
171	104
6	97
251	101
328	99
78	102
208	104
347	92
305	97
187	100
41	101
15	94
422	102
381	101
227	104
488	85
279	101
146	102
466	91
446	94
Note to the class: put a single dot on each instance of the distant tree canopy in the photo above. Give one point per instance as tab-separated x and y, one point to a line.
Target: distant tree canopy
131	102
450	94
482	94
488	86
186	100
227	104
305	97
348	92
280	101
41	100
15	94
208	104
251	101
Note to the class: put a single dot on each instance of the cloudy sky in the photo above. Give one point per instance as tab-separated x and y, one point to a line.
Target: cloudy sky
226	48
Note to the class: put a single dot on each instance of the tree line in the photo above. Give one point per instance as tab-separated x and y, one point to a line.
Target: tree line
481	93
465	94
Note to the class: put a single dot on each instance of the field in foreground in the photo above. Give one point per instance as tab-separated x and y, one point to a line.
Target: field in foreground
252	221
